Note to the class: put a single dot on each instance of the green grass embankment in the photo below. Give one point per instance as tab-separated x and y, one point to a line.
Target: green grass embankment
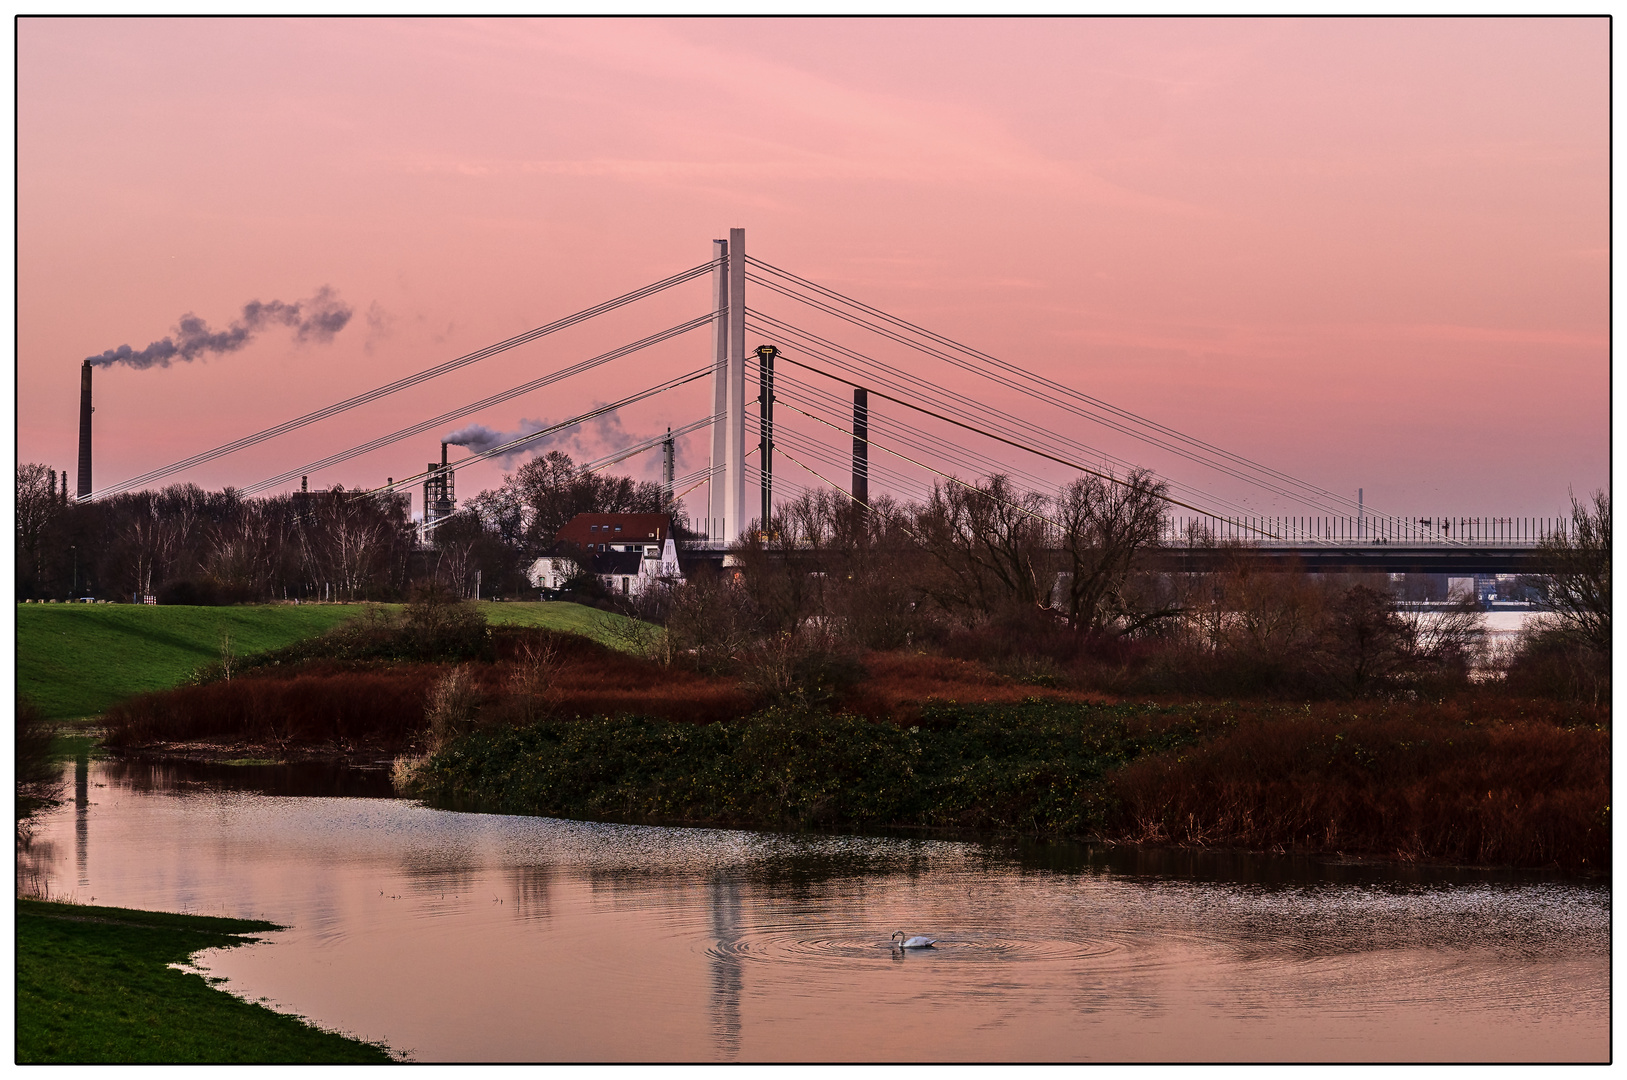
560	615
94	985
76	660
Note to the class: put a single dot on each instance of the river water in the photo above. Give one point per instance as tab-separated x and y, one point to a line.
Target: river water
470	937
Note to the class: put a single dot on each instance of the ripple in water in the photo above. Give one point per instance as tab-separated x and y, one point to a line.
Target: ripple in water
789	946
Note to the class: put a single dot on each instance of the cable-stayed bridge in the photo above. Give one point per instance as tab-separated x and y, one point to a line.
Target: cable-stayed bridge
908	429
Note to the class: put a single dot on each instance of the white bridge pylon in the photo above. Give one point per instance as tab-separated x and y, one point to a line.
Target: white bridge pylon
726	512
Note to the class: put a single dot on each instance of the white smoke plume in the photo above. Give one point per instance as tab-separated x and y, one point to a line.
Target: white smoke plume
315	319
583	442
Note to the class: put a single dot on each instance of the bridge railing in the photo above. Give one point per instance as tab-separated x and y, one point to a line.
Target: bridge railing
1524	532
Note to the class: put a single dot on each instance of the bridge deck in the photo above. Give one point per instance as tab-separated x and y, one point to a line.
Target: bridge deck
1372	557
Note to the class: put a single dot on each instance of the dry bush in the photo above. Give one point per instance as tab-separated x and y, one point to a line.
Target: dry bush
806	668
532	676
1550	662
897	684
314	706
711	621
451	707
1475	782
588	679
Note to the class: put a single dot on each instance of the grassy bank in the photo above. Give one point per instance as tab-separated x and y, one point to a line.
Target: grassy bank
94	985
76	660
1458	783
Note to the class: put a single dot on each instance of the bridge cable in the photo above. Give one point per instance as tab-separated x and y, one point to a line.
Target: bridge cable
404	383
998	438
1020	372
475	406
968	404
509	447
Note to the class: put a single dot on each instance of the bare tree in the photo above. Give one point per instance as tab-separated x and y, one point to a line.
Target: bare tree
1364	642
348	541
1105	527
711	619
985	540
546	492
784	562
1574	585
38	508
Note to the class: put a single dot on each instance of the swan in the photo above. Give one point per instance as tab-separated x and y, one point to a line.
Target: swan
914	942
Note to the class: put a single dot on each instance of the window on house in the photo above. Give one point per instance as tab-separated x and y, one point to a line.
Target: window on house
618	528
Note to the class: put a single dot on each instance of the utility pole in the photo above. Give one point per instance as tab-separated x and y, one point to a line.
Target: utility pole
715	483
734	522
666	466
861	447
765	413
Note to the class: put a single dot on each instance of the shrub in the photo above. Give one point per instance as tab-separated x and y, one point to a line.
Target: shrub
1474	782
1550	663
39	778
451	707
316	704
438	626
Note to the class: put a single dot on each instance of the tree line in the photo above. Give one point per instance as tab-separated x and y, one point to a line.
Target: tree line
1041	586
185	545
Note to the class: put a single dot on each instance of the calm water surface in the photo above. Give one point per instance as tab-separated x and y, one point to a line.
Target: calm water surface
486	938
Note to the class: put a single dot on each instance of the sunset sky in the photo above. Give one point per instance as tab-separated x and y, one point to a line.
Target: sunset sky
1369	253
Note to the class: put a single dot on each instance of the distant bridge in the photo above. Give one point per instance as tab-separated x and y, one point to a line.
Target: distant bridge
898	428
1455	560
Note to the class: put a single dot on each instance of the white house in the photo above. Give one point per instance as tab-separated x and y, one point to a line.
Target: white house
628	571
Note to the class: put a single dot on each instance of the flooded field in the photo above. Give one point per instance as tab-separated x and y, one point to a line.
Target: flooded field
488	938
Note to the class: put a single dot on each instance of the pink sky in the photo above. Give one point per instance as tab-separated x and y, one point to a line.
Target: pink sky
1369	253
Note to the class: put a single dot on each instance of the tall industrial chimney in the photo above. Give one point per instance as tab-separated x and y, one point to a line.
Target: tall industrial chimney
85	410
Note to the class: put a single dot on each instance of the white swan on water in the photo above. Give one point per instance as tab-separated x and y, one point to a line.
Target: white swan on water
914	942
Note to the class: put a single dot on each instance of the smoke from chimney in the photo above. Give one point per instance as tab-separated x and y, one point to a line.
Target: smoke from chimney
581	441
315	319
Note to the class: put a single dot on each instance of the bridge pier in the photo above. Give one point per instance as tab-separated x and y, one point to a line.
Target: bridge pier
734	479
716	505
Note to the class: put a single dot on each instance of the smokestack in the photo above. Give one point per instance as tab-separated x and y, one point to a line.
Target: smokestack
85	410
443	455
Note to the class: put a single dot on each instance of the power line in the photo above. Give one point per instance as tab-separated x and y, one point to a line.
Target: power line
1179	451
993	417
999	438
1013	369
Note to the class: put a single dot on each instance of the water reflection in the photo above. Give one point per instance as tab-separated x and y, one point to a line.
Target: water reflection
489	938
81	814
727	978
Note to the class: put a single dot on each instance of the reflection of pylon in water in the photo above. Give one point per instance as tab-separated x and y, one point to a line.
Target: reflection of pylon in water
727	977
